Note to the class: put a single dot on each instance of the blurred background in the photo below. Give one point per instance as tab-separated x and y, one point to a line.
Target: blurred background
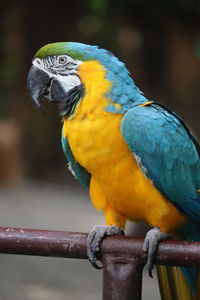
160	43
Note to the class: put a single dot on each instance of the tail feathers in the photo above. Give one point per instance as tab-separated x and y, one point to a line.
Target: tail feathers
191	275
192	233
181	283
173	285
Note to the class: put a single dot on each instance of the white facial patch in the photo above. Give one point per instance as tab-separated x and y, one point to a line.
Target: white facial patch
39	63
68	82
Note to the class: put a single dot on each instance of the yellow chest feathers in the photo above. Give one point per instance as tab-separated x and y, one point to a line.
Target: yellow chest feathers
96	141
94	134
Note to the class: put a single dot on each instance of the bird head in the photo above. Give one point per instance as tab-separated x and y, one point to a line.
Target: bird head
55	75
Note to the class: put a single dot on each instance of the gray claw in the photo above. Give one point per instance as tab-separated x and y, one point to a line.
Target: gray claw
151	241
94	239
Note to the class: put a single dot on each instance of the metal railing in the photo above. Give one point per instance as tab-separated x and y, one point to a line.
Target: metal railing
122	257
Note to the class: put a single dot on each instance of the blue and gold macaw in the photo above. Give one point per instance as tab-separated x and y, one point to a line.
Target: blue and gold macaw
137	157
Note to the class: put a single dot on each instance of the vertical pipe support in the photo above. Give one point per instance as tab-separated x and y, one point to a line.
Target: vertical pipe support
122	277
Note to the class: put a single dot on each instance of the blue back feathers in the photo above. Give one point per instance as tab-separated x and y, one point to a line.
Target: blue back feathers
167	151
171	156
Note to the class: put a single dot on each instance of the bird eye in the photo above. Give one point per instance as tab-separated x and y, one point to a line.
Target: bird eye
62	60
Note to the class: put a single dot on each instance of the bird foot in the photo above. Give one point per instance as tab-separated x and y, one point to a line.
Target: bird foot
151	242
94	239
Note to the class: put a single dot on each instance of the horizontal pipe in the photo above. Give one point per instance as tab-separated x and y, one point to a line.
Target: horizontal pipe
170	252
73	245
43	242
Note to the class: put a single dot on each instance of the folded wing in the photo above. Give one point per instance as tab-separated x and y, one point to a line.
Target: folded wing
167	153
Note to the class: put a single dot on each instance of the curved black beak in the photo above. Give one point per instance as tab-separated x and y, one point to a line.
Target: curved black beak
41	84
37	84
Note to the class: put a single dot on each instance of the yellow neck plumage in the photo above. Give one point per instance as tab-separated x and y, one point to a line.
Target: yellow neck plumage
93	77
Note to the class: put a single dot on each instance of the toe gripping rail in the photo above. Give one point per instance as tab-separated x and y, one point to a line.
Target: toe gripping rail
122	257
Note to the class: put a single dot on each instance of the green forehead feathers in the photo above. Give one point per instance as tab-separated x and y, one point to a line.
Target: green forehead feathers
63	48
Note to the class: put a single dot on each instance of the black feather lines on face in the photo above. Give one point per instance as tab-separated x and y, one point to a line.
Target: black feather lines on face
71	99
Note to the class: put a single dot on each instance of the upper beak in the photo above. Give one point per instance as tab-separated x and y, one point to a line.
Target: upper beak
37	84
41	84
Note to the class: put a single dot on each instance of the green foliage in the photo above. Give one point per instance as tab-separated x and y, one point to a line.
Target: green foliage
99	6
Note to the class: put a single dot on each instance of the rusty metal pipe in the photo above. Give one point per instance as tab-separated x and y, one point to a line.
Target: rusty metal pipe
43	242
170	252
122	257
73	245
122	277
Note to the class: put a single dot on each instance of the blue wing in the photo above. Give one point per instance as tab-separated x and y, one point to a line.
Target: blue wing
80	173
169	153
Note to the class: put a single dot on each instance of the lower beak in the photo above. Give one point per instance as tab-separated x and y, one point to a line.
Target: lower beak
37	84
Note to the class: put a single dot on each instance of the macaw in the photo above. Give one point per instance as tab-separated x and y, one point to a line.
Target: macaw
137	157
